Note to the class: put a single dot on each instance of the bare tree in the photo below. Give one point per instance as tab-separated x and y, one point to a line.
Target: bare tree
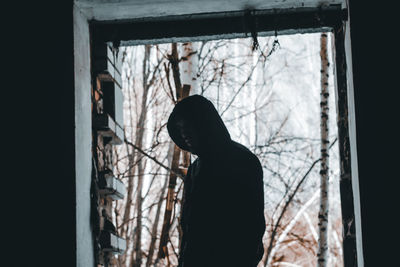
181	92
154	231
240	82
324	171
136	165
189	66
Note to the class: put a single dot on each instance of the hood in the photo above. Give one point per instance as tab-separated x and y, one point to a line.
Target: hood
212	131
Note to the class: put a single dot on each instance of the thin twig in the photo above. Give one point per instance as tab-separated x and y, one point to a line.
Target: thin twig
289	200
154	159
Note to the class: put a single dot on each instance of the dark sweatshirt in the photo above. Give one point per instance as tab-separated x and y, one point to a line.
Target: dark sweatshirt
223	205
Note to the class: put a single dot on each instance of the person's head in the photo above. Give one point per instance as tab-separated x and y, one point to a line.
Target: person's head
188	133
195	126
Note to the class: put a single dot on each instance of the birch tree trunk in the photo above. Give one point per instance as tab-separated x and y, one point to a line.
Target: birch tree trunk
324	175
189	65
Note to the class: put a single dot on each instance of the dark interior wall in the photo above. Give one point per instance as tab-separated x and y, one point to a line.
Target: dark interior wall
375	56
38	125
37	43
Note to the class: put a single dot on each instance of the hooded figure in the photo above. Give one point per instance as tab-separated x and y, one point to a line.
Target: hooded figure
222	217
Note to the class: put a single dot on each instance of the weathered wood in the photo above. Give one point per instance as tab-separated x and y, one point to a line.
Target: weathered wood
107	127
110	186
113	101
107	73
346	190
112	243
216	26
103	52
107	131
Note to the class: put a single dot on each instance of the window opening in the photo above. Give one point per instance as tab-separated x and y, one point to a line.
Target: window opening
117	36
271	104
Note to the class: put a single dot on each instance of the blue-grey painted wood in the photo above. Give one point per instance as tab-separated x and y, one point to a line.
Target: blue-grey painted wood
101	10
107	127
83	140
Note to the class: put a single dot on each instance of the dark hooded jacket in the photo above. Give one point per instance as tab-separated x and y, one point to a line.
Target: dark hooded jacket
223	204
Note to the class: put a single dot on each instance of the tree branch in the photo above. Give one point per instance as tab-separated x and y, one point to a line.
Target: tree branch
154	159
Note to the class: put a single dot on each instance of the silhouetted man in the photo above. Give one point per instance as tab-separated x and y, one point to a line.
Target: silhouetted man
223	209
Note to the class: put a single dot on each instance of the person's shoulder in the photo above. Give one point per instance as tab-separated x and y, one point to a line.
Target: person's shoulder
244	154
245	167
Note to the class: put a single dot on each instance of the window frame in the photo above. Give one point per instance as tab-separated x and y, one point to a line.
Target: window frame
212	26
